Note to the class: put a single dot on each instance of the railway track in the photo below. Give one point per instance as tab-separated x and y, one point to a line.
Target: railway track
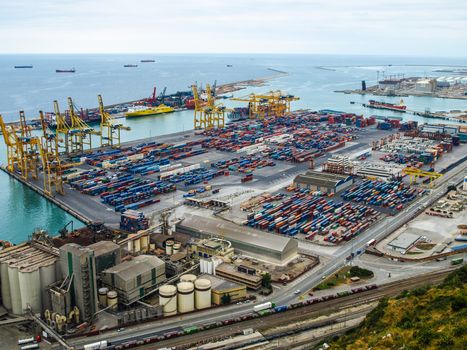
305	312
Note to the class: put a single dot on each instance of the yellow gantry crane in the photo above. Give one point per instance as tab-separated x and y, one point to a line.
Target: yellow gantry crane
80	132
110	132
271	104
52	165
199	119
415	174
62	129
29	149
12	148
207	114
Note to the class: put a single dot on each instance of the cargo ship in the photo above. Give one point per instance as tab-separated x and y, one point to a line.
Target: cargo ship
401	107
26	66
148	61
141	111
72	70
130	65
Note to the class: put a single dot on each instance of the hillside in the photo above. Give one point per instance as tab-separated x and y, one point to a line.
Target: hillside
422	319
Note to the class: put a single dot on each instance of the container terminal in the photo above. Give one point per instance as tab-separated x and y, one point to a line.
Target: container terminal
221	224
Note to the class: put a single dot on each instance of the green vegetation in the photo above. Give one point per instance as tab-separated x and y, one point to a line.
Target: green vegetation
425	318
356	271
343	276
226	299
266	281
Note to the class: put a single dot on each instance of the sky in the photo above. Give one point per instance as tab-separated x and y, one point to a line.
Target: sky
410	27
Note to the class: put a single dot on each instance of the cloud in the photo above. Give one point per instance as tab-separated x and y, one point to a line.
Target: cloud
279	26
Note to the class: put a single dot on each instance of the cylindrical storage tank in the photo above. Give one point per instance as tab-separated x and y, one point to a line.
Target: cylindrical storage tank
210	267
186	298
176	247
168	299
152	246
169	247
137	245
103	296
14	290
48	276
30	287
112	300
144	242
202	293
188	278
5	285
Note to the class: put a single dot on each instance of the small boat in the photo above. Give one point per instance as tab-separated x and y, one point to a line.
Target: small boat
141	111
148	61
26	66
72	70
130	65
229	65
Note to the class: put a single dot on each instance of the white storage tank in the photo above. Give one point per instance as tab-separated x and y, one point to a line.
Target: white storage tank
202	293
112	299
103	296
169	247
30	288
144	242
186	298
14	290
176	247
188	278
168	299
5	285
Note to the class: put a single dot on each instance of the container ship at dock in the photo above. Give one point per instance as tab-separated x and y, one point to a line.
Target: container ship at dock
401	107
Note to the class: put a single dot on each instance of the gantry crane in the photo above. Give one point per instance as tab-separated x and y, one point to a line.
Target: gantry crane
52	165
62	129
199	120
110	132
80	132
29	149
415	174
12	148
273	104
207	114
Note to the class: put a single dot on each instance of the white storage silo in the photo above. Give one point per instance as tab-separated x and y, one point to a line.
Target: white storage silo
30	288
186	298
5	285
176	247
188	278
144	242
169	247
48	276
210	267
112	299
103	296
14	290
202	293
168	299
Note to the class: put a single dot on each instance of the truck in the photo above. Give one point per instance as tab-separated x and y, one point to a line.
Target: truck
96	346
371	242
263	306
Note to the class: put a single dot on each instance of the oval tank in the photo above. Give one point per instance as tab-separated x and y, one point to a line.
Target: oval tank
168	299
186	298
103	296
112	299
169	247
202	293
188	278
176	247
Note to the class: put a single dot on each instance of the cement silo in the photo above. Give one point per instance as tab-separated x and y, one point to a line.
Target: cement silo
112	299
188	278
14	290
30	288
6	296
102	295
168	299
186	298
48	276
202	293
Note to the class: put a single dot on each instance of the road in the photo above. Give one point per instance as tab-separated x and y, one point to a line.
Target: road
284	295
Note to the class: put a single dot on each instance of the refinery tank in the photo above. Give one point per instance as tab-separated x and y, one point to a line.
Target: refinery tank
176	247
15	292
168	299
5	283
30	287
48	276
202	293
103	296
169	247
188	278
112	299
186	298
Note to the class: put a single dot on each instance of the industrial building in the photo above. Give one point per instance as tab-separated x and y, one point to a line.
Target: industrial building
425	86
221	287
324	182
106	253
134	278
239	275
26	271
381	171
78	264
258	244
207	248
404	242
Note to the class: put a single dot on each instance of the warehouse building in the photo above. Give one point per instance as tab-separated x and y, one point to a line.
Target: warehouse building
404	242
426	86
106	253
133	279
221	287
324	182
240	275
258	244
381	171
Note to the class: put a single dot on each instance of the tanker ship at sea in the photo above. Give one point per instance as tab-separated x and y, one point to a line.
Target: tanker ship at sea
401	107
